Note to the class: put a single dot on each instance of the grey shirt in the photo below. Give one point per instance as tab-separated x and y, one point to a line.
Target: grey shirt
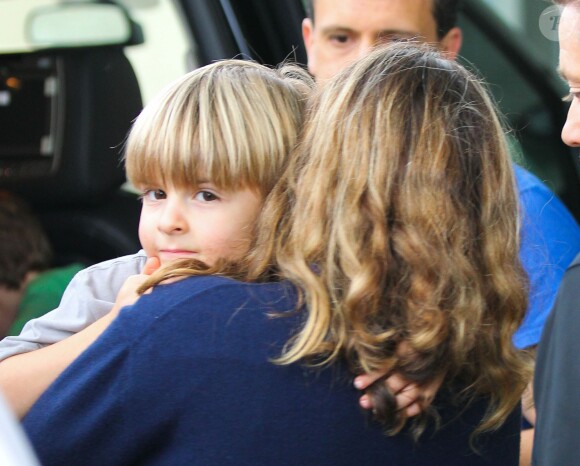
89	296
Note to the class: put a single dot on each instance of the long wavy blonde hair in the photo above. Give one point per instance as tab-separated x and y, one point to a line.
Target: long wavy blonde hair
397	220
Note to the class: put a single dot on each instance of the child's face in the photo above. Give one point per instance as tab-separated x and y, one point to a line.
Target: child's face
204	222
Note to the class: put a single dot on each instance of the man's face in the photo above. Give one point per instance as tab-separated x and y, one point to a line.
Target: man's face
569	34
347	30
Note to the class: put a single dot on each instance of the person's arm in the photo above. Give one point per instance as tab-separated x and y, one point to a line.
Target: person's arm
89	296
527	434
111	404
24	377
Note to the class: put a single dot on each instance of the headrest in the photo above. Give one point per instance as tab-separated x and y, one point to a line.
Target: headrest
64	117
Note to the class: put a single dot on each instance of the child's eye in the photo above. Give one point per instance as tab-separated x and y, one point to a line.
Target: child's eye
154	195
205	196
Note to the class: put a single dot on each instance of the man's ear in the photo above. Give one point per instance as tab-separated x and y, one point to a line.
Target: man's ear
451	42
308	38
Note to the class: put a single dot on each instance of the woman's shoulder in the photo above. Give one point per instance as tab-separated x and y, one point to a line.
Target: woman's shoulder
223	290
211	301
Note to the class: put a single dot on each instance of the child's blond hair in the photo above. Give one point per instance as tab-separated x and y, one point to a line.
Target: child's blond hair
232	123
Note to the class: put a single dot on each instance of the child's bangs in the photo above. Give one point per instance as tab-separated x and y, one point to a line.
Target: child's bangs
231	124
183	145
155	159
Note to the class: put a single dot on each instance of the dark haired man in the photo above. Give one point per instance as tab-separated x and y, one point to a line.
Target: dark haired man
338	32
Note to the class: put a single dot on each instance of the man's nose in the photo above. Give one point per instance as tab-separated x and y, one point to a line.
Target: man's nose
571	130
366	45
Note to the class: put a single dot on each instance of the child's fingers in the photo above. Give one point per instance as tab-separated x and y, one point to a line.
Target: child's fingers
363	381
365	402
396	383
413	410
409	396
151	265
412	407
413	400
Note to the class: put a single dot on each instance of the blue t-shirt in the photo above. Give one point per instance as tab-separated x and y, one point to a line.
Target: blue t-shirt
550	241
184	377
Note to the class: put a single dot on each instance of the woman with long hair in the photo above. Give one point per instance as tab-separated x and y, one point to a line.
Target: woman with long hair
391	243
402	232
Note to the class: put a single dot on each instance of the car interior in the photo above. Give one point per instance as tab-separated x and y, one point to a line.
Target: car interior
68	97
66	115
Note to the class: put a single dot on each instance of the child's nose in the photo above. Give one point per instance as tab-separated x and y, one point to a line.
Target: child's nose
173	219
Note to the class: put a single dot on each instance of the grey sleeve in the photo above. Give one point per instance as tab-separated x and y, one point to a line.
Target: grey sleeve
557	378
89	296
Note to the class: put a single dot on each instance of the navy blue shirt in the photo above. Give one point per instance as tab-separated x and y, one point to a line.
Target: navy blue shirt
184	377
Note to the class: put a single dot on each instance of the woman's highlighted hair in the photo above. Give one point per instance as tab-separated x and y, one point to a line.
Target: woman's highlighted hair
403	230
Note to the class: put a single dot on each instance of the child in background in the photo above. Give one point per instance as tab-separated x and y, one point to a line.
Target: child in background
29	286
204	153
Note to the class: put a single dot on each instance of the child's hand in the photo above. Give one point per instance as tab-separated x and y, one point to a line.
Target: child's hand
409	396
151	265
128	293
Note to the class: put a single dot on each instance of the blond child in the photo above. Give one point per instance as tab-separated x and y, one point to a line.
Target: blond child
204	154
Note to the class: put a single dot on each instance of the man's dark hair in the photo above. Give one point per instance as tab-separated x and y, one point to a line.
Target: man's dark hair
24	246
444	12
309	7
